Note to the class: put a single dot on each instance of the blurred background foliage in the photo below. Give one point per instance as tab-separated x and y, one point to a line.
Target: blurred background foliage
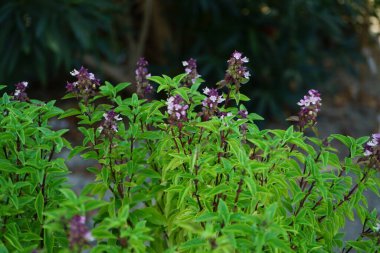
293	45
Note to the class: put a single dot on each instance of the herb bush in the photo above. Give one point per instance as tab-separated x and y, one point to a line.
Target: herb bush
193	173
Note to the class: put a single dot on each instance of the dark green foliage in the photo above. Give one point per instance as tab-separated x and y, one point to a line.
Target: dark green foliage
39	37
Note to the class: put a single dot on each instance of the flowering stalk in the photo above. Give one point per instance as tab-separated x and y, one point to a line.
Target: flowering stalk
109	128
143	86
237	73
109	125
191	71
372	151
210	103
243	114
85	86
177	110
20	93
310	106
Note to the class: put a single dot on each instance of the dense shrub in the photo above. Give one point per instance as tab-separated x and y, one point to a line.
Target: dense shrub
193	173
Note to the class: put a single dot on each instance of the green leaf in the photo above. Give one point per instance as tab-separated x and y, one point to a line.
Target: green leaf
102	233
151	135
135	100
243	97
76	151
343	139
70	195
209	125
193	243
206	217
157	79
105	174
123	212
183	91
179	78
122	86
218	189
13	241
49	241
152	215
254	116
238	229
7	166
94	204
69	112
223	211
39	206
21	135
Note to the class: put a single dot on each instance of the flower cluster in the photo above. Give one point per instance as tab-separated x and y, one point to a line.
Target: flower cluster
213	98
177	108
109	125
210	103
79	234
243	114
143	85
310	106
237	73
20	93
222	115
372	147
86	84
191	71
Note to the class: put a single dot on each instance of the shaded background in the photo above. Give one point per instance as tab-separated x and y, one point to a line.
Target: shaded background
293	45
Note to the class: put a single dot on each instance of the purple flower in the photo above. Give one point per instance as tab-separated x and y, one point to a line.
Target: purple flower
243	114
213	99
86	84
237	73
142	75
191	71
222	115
20	93
372	147
79	234
210	103
310	106
109	125
177	109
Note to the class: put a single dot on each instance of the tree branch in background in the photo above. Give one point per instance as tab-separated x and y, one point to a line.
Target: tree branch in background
135	47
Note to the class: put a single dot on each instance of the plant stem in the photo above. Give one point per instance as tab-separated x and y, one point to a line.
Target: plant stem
304	198
240	184
176	144
348	195
331	186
